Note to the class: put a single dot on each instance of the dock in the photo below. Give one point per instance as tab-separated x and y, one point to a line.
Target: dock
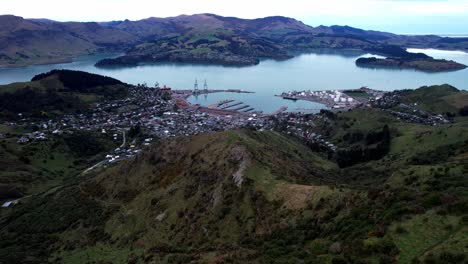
223	102
241	107
249	109
231	105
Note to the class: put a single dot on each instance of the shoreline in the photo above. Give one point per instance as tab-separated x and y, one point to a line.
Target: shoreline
335	99
293	52
51	62
56	61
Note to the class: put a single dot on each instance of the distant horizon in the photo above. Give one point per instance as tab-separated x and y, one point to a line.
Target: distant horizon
397	16
442	34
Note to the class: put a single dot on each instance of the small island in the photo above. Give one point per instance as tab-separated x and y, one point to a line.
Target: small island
398	57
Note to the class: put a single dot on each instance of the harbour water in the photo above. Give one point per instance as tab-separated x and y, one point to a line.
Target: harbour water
311	71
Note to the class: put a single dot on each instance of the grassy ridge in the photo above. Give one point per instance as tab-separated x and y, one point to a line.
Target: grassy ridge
57	92
259	197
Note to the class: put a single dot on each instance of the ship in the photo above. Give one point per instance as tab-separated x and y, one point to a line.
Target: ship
289	98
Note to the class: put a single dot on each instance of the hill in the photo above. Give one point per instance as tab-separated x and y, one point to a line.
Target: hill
259	197
26	108
25	42
444	100
388	190
202	38
57	92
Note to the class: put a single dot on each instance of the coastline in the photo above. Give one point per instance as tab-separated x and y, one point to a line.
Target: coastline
46	62
59	60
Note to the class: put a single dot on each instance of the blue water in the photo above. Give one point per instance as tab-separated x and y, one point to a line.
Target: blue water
313	71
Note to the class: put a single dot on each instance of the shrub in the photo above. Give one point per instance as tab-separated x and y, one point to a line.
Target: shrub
464	111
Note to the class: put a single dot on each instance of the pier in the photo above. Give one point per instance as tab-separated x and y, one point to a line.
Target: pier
223	102
184	94
241	107
231	105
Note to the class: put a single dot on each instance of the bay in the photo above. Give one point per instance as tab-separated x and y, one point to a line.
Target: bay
311	71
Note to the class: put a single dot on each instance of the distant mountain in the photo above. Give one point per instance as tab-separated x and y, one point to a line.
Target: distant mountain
24	42
205	38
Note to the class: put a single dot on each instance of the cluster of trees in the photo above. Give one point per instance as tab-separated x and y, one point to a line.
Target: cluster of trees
397	51
464	111
375	145
78	80
84	144
38	103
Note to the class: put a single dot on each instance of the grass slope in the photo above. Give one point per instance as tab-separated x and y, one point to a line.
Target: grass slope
260	197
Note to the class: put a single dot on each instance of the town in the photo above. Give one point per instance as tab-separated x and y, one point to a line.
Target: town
162	113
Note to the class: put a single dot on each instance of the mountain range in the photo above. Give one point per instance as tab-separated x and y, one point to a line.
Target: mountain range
200	38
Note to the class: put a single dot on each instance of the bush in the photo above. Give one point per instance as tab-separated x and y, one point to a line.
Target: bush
464	111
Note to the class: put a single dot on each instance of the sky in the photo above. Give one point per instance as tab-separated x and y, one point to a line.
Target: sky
398	16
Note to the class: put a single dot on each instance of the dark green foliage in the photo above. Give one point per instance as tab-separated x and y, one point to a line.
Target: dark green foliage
464	111
439	155
376	145
38	103
328	114
134	131
445	257
84	144
77	80
396	51
29	231
48	99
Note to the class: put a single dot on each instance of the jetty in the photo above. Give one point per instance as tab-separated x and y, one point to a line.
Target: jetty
231	105
223	102
241	107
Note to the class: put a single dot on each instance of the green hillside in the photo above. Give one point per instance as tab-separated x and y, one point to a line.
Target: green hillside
57	92
258	197
391	190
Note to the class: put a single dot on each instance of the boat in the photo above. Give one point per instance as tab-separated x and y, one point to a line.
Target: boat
290	98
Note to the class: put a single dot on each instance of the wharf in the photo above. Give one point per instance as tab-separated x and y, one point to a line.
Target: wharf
223	102
241	107
231	105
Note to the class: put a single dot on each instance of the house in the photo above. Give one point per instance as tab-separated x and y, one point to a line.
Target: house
23	140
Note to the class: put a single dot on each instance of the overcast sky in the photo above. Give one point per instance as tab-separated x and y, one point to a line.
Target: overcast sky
399	16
